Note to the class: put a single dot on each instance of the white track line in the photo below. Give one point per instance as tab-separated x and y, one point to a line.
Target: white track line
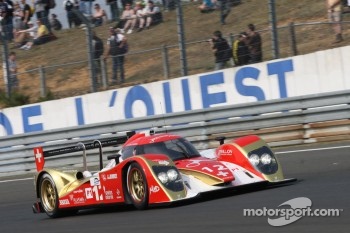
316	149
7	181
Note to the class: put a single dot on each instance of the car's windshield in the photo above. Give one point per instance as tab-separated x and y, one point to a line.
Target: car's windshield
176	149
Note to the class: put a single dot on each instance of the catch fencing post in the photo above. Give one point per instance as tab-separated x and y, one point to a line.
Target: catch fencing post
274	33
181	34
104	73
292	40
5	61
42	81
90	48
165	62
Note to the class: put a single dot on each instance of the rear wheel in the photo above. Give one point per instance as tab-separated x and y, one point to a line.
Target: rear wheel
137	186
49	196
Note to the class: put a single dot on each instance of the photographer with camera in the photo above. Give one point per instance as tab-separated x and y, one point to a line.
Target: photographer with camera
221	49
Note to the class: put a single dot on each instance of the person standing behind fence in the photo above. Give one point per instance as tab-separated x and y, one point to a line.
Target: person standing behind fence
225	8
68	5
86	7
254	43
116	47
334	8
13	70
221	49
40	12
240	50
6	13
98	52
113	6
27	14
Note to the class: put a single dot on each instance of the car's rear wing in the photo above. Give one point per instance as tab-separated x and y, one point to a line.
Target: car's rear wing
40	154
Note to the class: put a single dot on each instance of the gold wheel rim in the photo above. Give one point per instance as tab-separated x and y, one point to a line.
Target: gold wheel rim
137	185
48	195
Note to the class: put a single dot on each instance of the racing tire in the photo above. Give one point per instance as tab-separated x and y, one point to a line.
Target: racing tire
137	187
49	196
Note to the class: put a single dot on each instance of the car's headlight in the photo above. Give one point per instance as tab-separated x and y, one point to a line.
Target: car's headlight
266	159
172	175
254	159
163	177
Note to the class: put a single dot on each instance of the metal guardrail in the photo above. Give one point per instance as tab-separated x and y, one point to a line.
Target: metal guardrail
16	156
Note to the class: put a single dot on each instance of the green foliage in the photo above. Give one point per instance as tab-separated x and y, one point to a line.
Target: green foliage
16	99
49	96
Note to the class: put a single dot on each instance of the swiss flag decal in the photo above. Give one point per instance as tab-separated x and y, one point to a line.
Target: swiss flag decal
39	158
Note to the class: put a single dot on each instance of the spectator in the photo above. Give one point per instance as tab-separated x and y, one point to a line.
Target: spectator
207	6
13	70
117	47
138	9
40	11
27	35
47	13
124	2
240	50
113	6
334	8
98	52
17	17
41	37
99	17
55	23
6	15
168	5
225	8
27	13
254	43
129	18
151	14
72	18
86	7
221	49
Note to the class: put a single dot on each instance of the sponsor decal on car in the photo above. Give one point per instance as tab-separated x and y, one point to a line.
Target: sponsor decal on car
79	200
225	152
112	176
109	195
78	191
118	194
64	202
88	193
95	181
154	189
163	162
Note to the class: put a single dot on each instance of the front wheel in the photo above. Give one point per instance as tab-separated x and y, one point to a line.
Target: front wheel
49	196
137	186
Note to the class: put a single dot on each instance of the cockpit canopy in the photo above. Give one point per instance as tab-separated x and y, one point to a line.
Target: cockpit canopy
176	149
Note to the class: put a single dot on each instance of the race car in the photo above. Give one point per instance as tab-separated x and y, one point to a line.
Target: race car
152	169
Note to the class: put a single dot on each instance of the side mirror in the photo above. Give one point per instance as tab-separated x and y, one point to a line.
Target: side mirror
220	139
115	157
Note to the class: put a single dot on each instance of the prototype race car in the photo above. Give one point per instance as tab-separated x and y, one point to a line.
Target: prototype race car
153	169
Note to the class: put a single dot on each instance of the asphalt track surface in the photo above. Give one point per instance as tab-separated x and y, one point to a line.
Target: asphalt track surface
323	177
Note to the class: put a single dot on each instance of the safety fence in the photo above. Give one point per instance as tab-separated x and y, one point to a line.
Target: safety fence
67	74
291	121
